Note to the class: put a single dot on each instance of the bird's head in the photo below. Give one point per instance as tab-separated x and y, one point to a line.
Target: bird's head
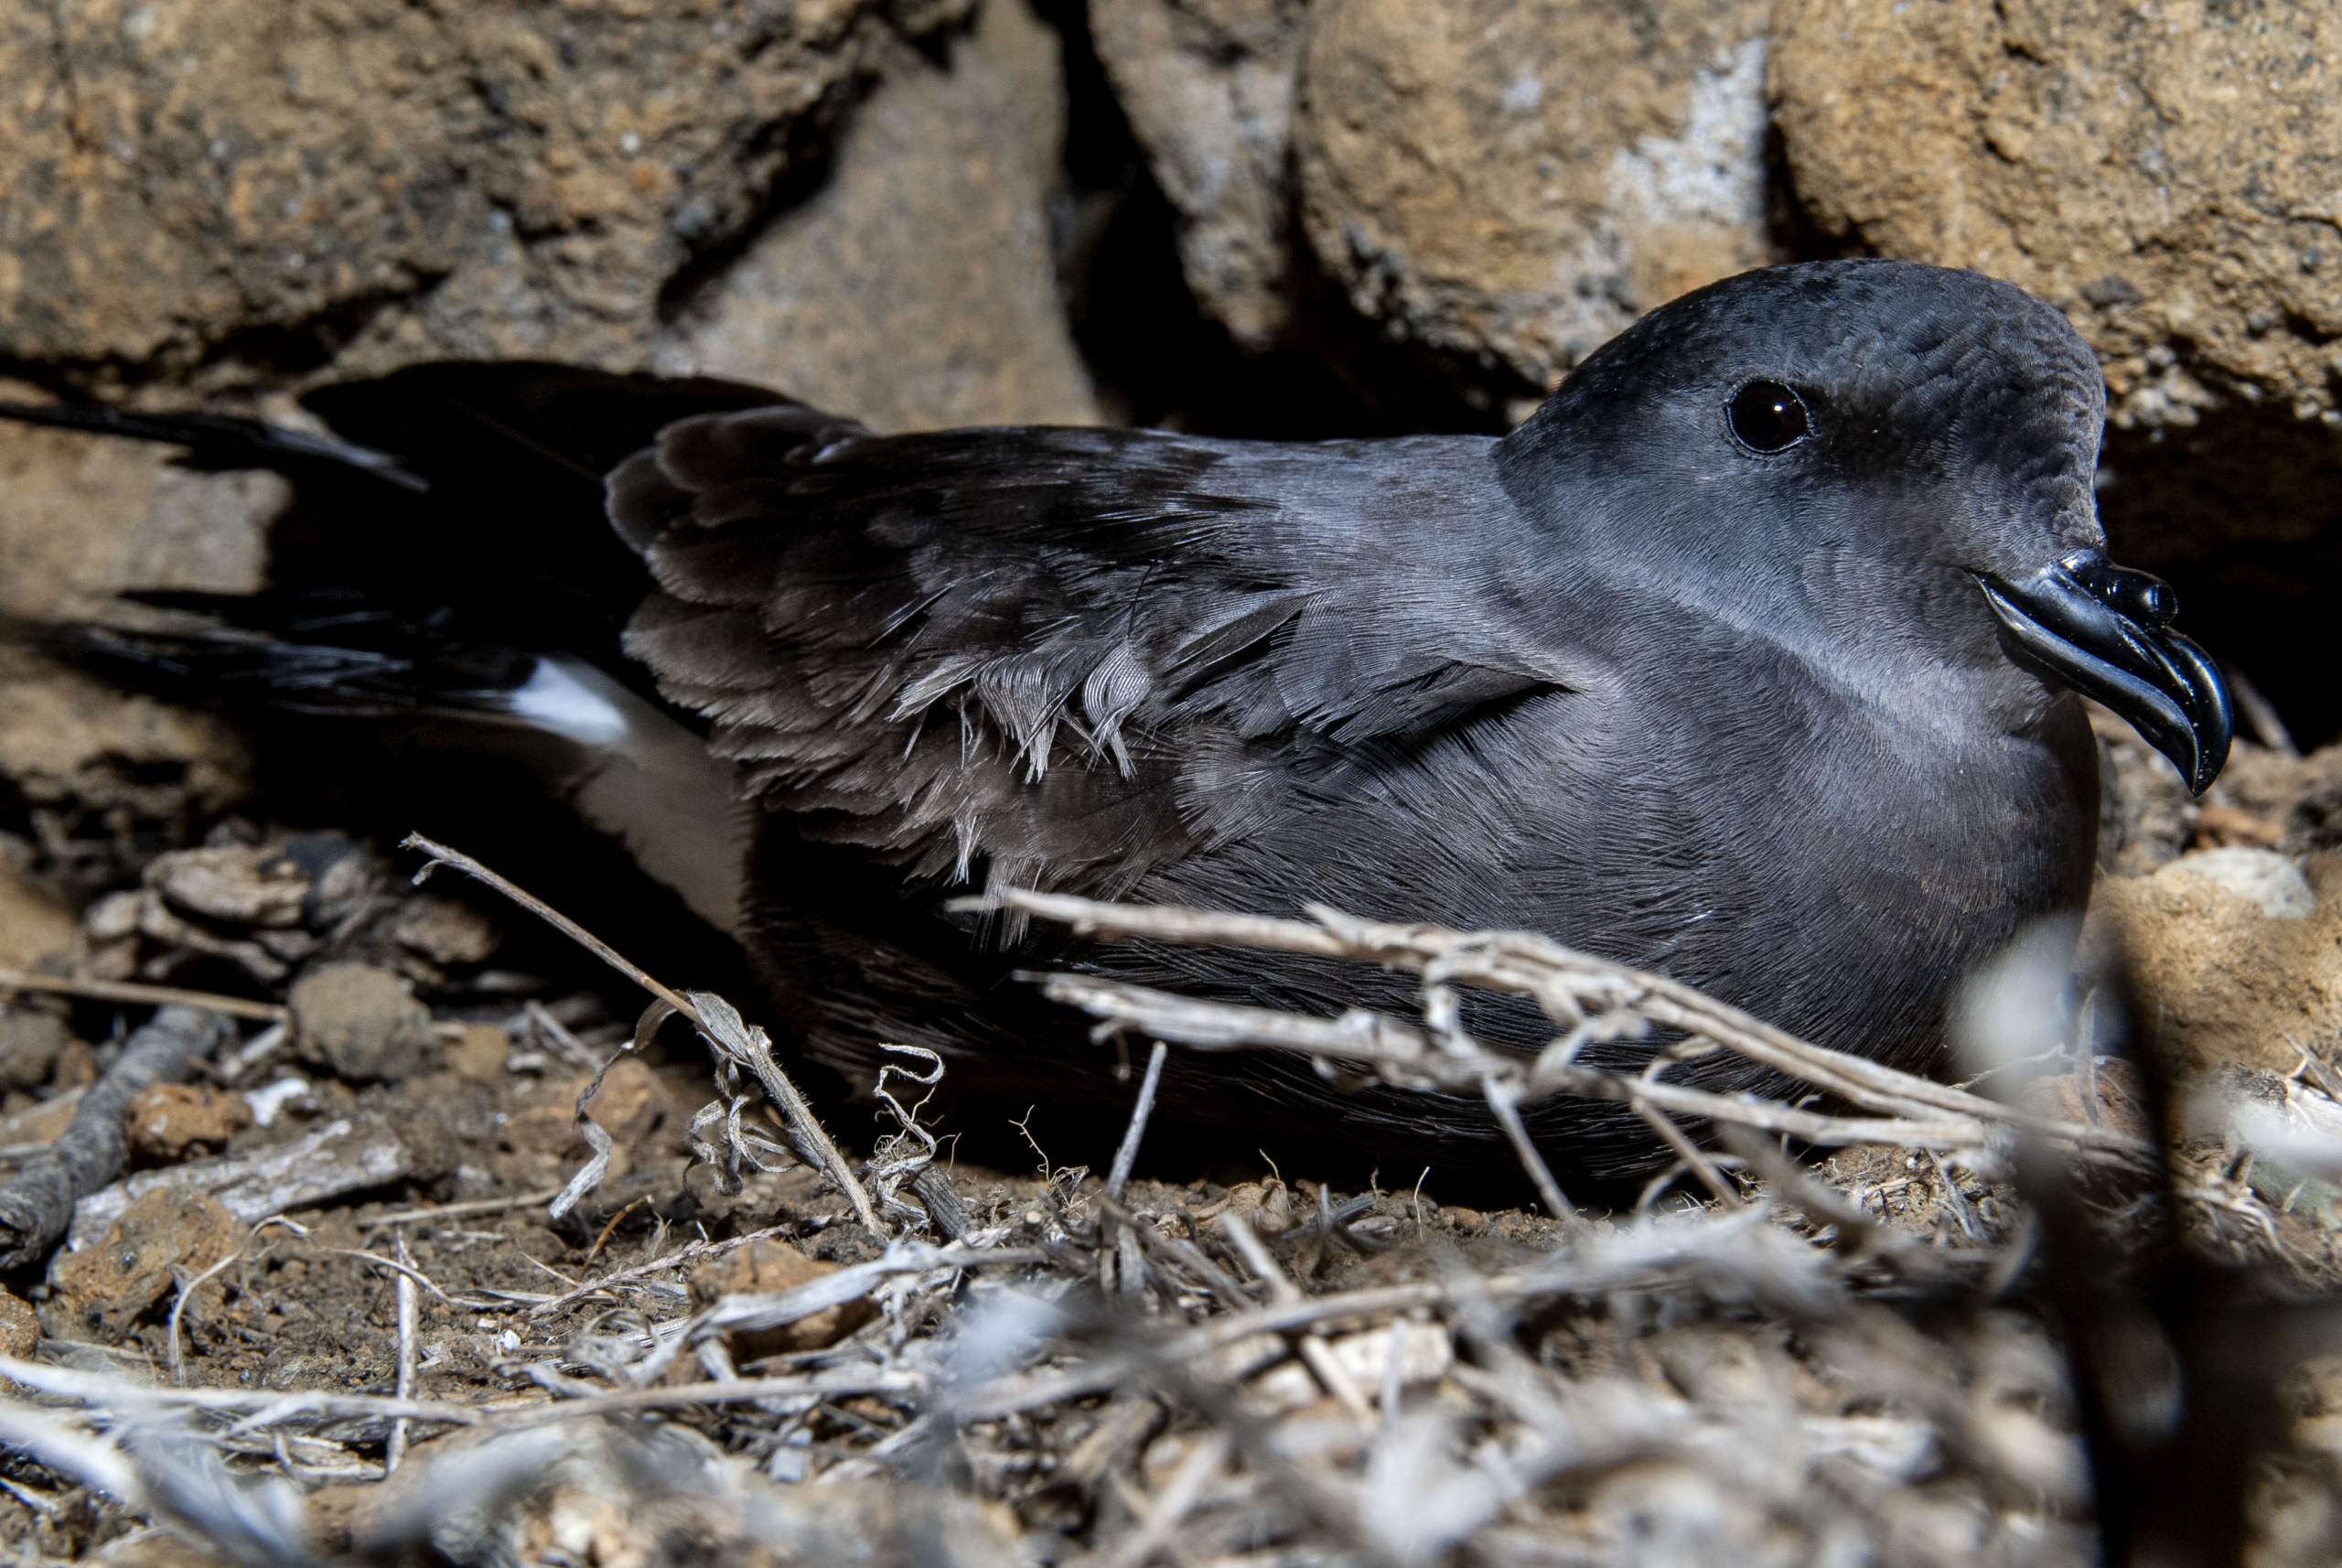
1880	450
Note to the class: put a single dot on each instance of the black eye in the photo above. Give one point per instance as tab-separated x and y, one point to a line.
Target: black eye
1768	416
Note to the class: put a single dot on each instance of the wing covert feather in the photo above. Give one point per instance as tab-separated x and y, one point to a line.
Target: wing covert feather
1064	655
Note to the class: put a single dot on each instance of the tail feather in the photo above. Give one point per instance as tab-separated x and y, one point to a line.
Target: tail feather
449	583
218	441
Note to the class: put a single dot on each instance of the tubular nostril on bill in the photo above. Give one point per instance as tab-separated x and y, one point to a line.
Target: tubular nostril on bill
2153	601
2140	596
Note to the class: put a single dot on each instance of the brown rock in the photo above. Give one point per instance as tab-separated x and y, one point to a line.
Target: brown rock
31	1036
2302	796
45	1123
169	1122
544	1130
631	1102
2231	955
1264	1206
83	519
158	1547
2170	183
33	924
361	1022
77	1067
2121	1105
478	1053
267	955
98	766
239	885
445	931
101	1291
1208	88
767	1268
1514	181
474	179
917	291
19	1327
628	1108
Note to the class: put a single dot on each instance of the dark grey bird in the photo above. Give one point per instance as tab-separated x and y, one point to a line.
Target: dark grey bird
1751	658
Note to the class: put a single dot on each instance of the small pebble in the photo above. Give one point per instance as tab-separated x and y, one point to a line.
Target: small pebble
361	1022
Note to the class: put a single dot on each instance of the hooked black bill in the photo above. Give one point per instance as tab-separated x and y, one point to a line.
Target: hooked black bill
2105	630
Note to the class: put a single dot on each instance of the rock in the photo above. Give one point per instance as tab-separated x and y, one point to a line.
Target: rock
112	917
917	291
100	770
616	1492
45	1123
84	520
475	180
77	1068
2167	178
628	1108
239	884
169	1122
266	955
549	1130
1264	1206
341	872
2266	879
100	1291
767	1267
445	930
33	923
632	1102
1513	181
19	1327
361	1022
158	1547
478	1053
32	1035
2300	796
2216	978
1208	88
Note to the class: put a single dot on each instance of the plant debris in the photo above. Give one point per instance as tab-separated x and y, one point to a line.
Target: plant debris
629	1336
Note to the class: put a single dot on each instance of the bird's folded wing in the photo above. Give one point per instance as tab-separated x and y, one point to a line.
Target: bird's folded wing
1073	655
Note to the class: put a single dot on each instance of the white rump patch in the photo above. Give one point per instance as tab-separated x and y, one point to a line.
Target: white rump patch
560	702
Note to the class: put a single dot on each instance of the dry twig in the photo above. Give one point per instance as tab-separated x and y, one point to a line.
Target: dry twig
696	1251
1586	997
737	1043
395	1448
146	995
37	1205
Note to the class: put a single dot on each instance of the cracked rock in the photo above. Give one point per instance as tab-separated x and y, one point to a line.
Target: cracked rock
101	1291
916	290
418	180
1513	183
1208	88
2168	177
